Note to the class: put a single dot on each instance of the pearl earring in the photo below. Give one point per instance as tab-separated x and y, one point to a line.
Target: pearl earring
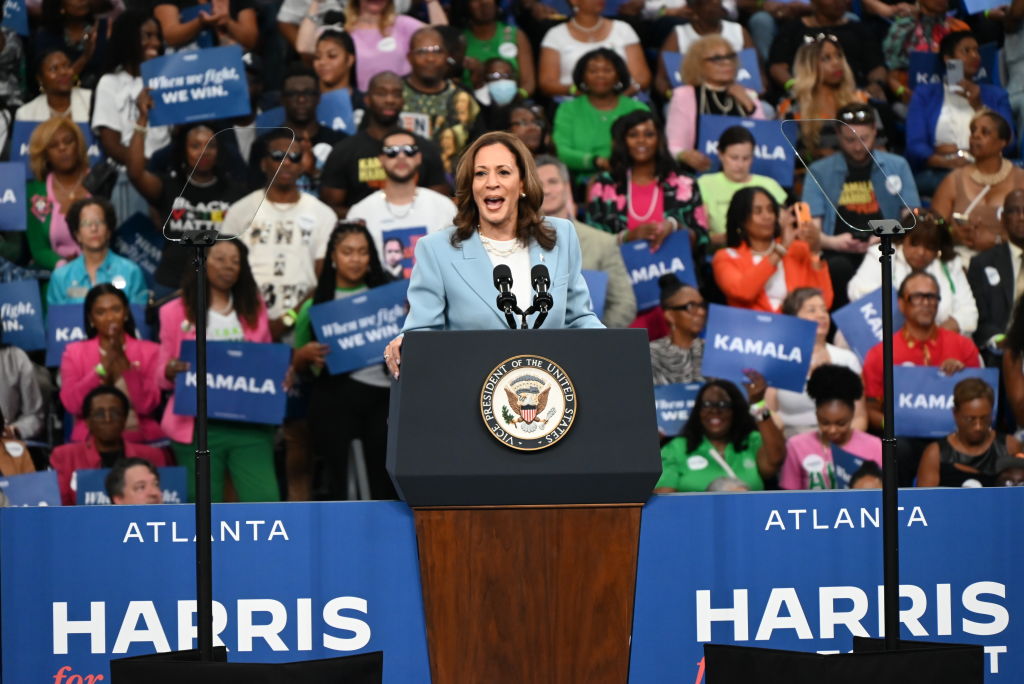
522	195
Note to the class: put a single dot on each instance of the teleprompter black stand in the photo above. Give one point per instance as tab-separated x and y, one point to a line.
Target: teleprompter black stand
888	661
207	665
527	558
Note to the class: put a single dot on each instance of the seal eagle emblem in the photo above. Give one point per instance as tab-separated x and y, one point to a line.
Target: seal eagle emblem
528	402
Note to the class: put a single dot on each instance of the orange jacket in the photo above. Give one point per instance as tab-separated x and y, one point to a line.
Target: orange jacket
743	281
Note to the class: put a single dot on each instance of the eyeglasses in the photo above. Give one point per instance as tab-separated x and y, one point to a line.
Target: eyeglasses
301	93
106	414
392	151
92	223
279	155
858	116
1012	483
498	76
717	59
722	405
428	50
830	37
687	307
918	298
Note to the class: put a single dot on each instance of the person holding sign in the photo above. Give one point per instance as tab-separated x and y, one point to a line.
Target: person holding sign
975	451
677	357
134	481
92	222
644	195
764	261
724	437
498	222
347	406
112	355
709	74
235	312
105	412
835	391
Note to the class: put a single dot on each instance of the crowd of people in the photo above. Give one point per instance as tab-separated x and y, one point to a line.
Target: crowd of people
611	105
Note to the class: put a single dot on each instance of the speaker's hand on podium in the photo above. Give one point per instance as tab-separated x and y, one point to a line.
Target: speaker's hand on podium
393	355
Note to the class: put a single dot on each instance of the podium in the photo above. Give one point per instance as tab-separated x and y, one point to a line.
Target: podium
527	504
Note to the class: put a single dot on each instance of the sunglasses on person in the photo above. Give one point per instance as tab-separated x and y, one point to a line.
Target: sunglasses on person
392	151
688	307
718	59
830	37
279	155
857	116
721	405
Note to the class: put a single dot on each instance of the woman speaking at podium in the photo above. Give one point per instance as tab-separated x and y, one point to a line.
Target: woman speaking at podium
498	195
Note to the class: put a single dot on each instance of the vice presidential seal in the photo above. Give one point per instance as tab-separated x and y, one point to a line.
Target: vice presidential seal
528	402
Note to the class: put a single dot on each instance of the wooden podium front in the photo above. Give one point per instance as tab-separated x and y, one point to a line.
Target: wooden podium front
527	559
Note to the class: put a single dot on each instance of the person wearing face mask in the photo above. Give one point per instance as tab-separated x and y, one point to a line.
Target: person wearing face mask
929	248
809	463
489	38
92	223
58	96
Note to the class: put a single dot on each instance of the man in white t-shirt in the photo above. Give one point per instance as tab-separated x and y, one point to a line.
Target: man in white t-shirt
286	233
401	211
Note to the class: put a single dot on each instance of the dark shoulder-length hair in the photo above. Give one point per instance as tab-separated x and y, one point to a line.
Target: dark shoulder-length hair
375	274
245	294
620	160
742	422
179	149
619	64
124	47
95	293
530	223
740	209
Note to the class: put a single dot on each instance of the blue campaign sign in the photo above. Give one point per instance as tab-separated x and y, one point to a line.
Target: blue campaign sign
270	118
748	74
197	85
645	267
597	283
926	67
21	132
860	322
924	398
777	346
205	38
65	323
297	581
674	404
335	110
91	485
139	240
21	314
803	571
245	381
16	16
358	328
977	6
13	211
31	489
406	255
844	465
773	156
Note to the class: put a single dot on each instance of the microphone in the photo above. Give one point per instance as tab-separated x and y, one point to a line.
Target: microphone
542	301
506	301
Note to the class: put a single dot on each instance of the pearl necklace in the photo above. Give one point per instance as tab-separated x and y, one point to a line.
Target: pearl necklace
629	199
500	248
582	29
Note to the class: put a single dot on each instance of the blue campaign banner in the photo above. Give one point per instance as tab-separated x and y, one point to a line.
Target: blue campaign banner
270	118
777	346
13	211
674	403
803	571
16	16
407	238
21	314
245	381
21	132
977	6
860	322
335	110
924	398
748	74
291	582
645	267
926	67
358	328
597	283
91	485
773	156
65	323
844	465
31	489
197	85
139	240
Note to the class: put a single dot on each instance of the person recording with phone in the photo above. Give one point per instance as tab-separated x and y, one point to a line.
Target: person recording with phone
498	224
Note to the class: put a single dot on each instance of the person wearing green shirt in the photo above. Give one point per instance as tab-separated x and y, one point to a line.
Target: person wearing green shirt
583	125
736	152
724	437
350	405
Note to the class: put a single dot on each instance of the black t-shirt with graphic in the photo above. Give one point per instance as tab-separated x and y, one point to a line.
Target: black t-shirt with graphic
857	203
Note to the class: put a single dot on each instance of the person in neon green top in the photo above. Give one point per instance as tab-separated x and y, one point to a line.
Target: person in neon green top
724	437
487	38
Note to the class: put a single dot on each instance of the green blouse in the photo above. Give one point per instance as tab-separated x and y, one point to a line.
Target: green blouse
693	471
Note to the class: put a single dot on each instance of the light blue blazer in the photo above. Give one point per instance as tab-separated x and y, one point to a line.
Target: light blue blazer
451	288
